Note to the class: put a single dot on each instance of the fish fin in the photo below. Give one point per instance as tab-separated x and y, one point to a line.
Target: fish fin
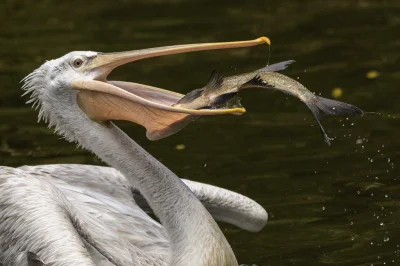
331	107
316	112
277	66
189	97
214	83
224	98
255	82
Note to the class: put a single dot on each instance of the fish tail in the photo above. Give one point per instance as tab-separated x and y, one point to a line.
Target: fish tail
331	107
317	114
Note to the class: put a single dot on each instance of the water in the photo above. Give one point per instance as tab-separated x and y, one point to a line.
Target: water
333	205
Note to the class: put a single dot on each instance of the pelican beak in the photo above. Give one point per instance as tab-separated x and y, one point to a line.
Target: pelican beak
148	106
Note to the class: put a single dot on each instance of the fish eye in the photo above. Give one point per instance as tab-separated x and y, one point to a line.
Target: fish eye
77	62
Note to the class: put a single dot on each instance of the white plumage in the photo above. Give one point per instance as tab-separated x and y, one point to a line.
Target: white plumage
86	215
101	198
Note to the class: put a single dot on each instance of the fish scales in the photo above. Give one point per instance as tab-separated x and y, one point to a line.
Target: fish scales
221	92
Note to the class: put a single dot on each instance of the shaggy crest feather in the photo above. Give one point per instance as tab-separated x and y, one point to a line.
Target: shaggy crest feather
35	84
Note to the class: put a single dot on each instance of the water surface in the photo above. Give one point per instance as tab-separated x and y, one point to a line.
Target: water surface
335	205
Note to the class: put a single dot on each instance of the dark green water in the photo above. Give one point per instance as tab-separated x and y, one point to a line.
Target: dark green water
335	205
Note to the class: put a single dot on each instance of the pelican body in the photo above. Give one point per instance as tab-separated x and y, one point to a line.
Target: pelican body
40	224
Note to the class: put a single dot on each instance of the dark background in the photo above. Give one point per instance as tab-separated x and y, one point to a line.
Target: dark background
335	205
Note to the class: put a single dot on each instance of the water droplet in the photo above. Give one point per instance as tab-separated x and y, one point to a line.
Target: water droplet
381	224
323	208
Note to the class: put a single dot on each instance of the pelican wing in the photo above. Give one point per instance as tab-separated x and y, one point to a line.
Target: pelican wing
106	195
107	190
35	216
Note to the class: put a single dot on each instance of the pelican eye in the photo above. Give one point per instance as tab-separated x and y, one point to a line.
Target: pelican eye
78	62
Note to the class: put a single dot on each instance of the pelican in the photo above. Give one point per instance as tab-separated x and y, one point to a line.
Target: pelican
40	225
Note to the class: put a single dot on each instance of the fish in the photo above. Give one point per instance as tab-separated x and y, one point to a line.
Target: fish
219	89
222	92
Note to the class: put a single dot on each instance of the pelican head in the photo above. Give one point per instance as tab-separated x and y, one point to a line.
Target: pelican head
77	82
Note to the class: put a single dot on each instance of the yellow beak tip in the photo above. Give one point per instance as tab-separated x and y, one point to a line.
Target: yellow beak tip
265	39
239	111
